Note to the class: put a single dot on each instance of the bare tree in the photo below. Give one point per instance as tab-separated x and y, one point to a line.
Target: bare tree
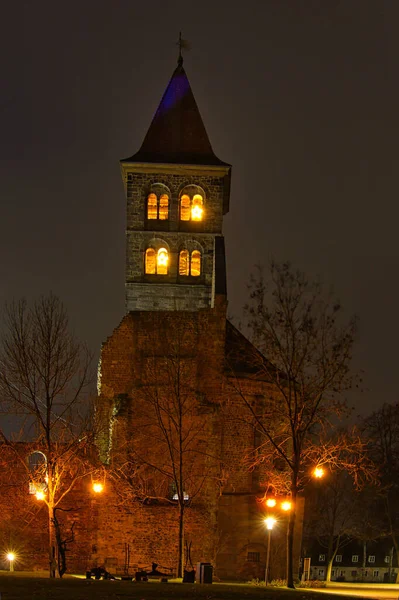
44	375
331	506
305	354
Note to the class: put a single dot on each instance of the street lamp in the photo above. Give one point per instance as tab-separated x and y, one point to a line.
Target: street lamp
271	502
11	557
97	487
318	472
269	521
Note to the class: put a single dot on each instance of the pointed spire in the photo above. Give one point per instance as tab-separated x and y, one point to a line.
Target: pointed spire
177	133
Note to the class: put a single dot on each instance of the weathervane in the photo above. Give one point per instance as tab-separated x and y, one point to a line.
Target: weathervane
183	45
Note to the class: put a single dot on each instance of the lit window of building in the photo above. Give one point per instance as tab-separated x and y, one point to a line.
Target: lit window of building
158	207
164	207
150	261
190	264
195	267
156	262
185	203
152	207
162	261
191	207
196	208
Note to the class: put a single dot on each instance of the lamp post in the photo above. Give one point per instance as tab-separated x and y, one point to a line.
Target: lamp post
270	521
11	558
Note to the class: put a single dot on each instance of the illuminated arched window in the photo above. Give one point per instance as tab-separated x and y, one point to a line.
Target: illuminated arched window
150	261
192	204
164	207
152	207
158	206
185	204
195	263
190	264
184	263
197	208
162	261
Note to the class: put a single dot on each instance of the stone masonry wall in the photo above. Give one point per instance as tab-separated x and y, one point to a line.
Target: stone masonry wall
171	292
128	360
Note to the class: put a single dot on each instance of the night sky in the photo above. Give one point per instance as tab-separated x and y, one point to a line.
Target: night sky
300	96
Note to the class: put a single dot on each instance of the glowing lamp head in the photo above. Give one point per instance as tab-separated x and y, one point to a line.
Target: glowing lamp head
270	502
196	213
40	495
286	506
98	487
318	472
270	522
10	556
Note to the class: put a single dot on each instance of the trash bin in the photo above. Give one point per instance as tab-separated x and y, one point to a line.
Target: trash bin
204	572
189	576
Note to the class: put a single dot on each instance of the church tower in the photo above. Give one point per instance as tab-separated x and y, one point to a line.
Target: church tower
177	192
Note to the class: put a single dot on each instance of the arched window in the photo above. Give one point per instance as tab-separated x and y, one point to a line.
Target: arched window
164	207
190	264
158	206
191	204
156	261
150	261
197	208
152	207
195	266
162	261
185	204
184	263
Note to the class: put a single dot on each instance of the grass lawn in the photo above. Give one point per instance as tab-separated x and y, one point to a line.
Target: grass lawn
28	586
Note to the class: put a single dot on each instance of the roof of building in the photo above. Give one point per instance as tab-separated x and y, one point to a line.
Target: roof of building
177	133
243	358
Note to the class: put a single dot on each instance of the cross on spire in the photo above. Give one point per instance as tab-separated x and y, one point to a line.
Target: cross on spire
183	45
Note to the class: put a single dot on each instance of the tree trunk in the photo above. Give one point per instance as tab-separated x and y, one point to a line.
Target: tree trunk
329	569
290	539
364	559
396	548
180	566
52	542
332	552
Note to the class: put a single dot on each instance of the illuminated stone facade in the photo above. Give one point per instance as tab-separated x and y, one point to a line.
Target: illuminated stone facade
174	291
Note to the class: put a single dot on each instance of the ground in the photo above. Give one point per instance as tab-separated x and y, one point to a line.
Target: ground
26	586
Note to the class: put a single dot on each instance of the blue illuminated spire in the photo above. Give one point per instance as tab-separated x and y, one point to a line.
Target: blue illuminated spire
177	133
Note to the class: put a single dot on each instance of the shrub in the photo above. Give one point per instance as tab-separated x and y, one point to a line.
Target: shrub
312	583
278	583
257	582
